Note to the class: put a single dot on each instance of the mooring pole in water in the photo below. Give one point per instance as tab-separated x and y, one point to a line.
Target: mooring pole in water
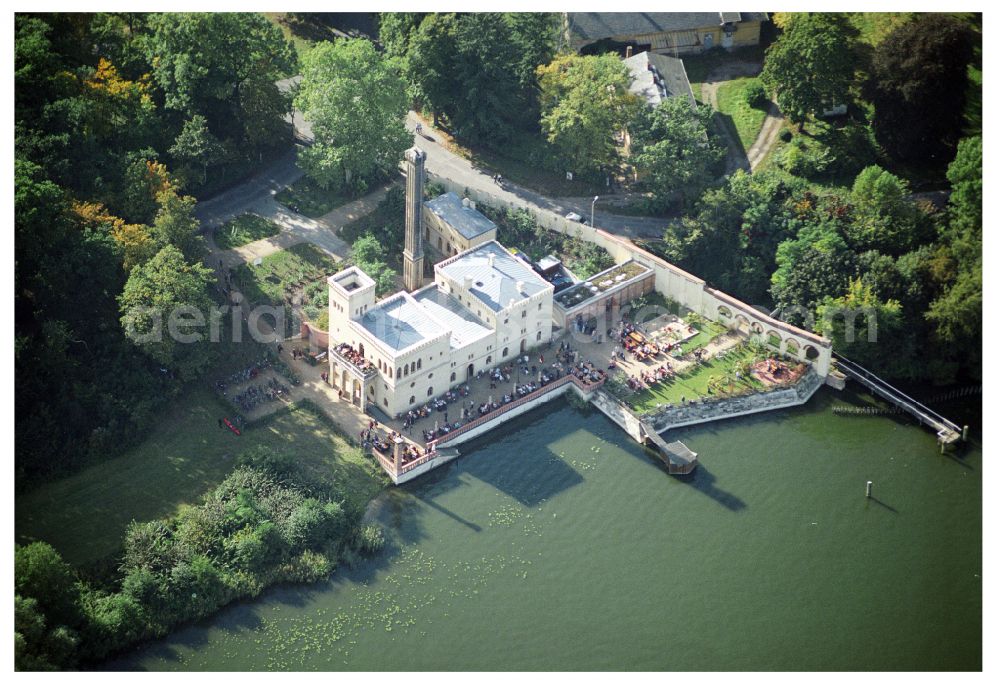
868	490
965	433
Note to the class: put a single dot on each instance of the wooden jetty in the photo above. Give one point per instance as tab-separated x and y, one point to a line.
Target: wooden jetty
948	432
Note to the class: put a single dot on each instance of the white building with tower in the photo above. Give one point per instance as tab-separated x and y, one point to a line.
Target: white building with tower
484	307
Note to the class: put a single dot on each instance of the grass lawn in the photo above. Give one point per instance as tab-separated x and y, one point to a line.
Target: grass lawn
84	515
302	29
244	229
699	66
694	383
308	199
745	119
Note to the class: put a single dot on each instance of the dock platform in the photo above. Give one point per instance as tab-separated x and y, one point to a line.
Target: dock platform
676	455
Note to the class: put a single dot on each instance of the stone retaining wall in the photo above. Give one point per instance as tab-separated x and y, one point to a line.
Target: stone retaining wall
702	412
689	290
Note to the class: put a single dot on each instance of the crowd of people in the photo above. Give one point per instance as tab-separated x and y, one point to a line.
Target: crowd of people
370	438
646	379
536	376
353	356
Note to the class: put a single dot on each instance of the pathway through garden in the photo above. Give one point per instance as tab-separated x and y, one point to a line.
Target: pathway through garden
736	158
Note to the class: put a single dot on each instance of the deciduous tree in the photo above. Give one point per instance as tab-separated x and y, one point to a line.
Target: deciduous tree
918	87
155	291
357	105
811	66
586	104
672	149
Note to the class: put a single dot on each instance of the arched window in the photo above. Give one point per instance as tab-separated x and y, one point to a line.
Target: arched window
419	364
385	401
430	391
452	376
399	373
504	352
412	399
811	352
406	369
489	360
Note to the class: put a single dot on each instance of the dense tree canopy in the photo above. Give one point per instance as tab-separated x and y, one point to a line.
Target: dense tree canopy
204	62
918	88
732	237
884	218
163	290
958	313
357	105
475	69
672	148
586	106
811	65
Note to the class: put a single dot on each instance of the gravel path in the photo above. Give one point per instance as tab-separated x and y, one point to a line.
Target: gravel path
767	137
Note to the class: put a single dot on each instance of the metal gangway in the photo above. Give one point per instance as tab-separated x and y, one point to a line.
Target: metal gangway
947	431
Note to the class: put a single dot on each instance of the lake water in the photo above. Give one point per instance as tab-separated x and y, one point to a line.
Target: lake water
558	544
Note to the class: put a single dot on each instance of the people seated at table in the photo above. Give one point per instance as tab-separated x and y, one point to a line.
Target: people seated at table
353	356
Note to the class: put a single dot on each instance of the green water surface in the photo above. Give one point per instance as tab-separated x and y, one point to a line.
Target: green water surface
557	544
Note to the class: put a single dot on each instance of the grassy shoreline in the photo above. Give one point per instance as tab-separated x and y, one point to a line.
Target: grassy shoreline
84	515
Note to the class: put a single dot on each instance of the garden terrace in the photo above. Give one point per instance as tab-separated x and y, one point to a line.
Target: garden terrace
614	287
272	281
714	377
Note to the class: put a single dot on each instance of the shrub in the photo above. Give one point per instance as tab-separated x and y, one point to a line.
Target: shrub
785	135
307	567
852	148
808	162
755	95
314	524
370	539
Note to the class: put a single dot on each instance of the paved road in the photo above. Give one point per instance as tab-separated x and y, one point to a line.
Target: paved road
272	178
442	162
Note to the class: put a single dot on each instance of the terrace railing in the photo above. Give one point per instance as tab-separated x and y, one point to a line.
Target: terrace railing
432	453
367	371
585	386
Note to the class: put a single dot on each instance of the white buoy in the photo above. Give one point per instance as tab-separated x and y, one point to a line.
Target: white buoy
868	490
